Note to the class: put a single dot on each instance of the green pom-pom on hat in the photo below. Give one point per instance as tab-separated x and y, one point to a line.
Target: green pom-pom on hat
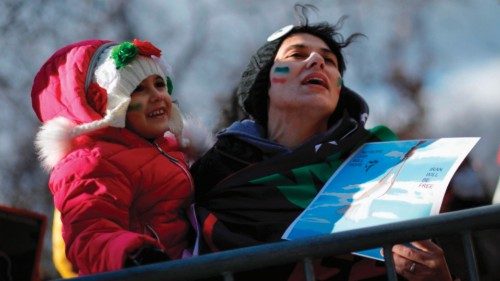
170	86
124	53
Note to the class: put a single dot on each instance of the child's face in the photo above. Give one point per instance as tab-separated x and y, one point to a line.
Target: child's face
150	108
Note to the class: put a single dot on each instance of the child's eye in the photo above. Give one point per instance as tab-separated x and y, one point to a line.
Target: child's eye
160	84
137	89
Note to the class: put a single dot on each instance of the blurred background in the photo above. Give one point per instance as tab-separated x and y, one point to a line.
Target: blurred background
428	69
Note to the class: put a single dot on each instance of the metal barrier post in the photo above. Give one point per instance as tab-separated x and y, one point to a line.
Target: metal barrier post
309	269
470	255
389	263
228	276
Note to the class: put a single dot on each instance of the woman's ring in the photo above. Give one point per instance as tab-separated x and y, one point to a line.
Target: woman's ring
412	267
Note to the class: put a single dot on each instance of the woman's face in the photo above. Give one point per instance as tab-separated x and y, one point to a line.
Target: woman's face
149	112
305	77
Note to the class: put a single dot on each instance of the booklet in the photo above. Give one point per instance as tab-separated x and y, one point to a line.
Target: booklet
383	182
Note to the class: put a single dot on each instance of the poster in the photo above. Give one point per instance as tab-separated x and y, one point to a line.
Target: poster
383	182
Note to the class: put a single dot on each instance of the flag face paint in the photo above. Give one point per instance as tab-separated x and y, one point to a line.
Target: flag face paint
279	74
134	107
278	80
282	70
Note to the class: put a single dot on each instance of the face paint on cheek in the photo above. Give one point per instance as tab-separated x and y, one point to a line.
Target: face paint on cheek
134	107
339	82
278	80
279	74
281	70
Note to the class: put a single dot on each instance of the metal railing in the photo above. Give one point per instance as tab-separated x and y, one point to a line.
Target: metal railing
226	263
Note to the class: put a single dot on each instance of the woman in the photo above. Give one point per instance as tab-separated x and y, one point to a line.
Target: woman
262	172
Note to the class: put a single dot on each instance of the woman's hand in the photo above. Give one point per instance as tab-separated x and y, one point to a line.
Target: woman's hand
424	261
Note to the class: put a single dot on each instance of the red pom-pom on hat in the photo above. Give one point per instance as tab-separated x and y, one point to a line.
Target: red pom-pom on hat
146	48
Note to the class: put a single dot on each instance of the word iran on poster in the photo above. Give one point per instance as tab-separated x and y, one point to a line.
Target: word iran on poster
383	182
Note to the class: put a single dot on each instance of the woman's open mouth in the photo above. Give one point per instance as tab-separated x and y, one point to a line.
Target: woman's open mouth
316	79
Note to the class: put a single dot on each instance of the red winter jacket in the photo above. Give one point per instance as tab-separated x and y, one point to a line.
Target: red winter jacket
116	191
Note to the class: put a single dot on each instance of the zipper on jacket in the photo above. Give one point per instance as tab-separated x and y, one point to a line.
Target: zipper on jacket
176	162
152	230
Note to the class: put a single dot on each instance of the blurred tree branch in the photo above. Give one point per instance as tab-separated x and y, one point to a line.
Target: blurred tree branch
409	83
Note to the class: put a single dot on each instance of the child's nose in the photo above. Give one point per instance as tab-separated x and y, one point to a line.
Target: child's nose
156	95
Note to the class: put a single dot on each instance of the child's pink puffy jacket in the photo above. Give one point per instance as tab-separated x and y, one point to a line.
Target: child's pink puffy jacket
116	191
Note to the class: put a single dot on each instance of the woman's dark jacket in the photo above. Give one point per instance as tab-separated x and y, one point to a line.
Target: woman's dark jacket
249	189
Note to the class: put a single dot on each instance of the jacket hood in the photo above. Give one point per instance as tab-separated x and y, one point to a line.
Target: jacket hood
59	98
59	86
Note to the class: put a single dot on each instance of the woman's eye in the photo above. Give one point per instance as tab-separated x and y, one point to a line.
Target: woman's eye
297	55
331	61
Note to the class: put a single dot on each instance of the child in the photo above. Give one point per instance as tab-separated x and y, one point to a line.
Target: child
120	182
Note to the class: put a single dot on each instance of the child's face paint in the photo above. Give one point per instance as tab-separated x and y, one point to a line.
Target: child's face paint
134	107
